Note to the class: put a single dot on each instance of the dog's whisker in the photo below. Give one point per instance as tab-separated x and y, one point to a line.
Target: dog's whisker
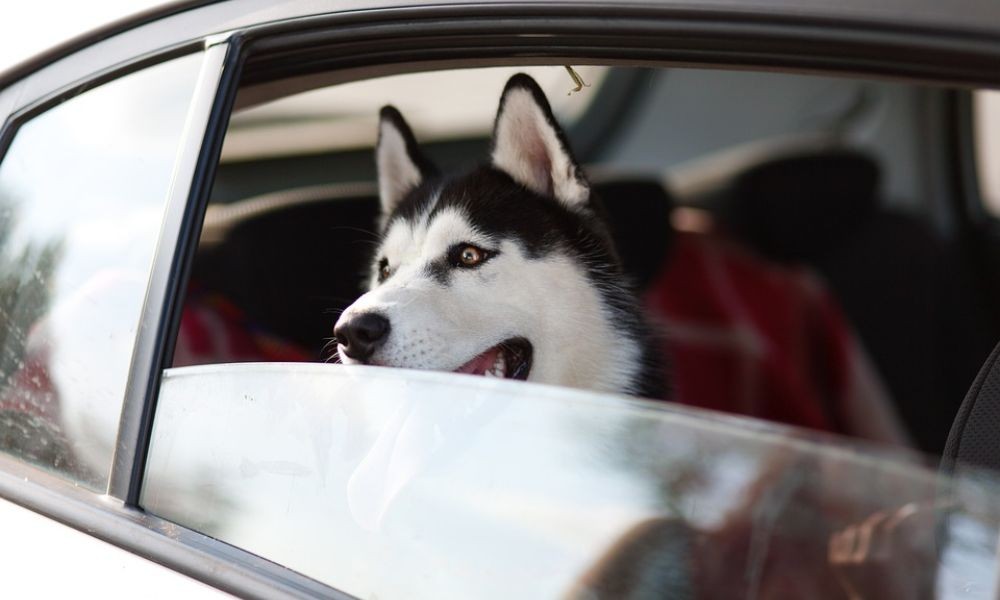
356	230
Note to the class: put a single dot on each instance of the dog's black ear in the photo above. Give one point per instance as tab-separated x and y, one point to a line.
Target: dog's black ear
401	165
529	145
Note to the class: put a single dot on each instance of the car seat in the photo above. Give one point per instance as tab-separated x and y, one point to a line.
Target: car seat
907	291
289	261
742	334
973	439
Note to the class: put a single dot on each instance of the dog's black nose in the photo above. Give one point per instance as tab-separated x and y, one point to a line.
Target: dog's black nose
362	335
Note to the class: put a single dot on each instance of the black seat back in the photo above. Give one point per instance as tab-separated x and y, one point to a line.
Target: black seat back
292	270
907	291
975	435
798	208
638	212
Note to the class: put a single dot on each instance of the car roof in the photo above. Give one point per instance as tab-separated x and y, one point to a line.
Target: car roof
155	9
44	25
978	18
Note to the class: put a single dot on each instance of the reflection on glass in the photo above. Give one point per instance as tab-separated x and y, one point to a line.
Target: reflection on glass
82	192
401	484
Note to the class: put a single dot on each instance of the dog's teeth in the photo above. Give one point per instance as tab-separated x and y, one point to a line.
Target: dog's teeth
498	369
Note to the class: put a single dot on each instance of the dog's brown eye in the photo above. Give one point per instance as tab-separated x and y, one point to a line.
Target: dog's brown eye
467	256
383	270
470	256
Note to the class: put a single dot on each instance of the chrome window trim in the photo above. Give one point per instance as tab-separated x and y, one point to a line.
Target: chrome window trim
216	80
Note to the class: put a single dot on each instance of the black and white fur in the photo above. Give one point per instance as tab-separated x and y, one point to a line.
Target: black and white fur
547	288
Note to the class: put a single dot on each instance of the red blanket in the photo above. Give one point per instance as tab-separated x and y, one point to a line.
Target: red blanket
746	336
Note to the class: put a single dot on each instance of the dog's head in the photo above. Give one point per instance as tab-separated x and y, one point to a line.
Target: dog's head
503	271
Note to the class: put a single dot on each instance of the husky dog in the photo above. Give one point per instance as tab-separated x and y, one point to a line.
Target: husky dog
505	271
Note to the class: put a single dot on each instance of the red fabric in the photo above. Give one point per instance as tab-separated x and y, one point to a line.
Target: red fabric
748	337
214	330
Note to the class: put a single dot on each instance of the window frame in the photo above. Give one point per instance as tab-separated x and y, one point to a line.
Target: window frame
195	167
768	35
115	517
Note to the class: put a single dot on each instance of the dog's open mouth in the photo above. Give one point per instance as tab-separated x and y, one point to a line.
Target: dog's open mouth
510	359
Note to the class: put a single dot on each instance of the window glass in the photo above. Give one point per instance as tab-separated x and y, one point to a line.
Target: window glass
400	484
986	110
82	192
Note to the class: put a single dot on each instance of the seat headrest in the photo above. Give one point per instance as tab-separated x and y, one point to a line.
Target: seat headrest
639	213
276	265
973	439
795	208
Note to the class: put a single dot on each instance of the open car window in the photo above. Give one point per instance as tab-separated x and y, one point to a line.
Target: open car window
761	220
396	484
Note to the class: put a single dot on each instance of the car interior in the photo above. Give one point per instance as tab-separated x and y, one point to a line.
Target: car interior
804	245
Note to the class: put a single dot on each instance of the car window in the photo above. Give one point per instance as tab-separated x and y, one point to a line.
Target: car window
757	214
83	187
760	218
396	484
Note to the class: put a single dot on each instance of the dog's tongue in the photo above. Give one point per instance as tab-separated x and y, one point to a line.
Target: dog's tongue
480	364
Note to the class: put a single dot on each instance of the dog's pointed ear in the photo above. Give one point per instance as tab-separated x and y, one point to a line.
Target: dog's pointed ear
529	146
401	165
